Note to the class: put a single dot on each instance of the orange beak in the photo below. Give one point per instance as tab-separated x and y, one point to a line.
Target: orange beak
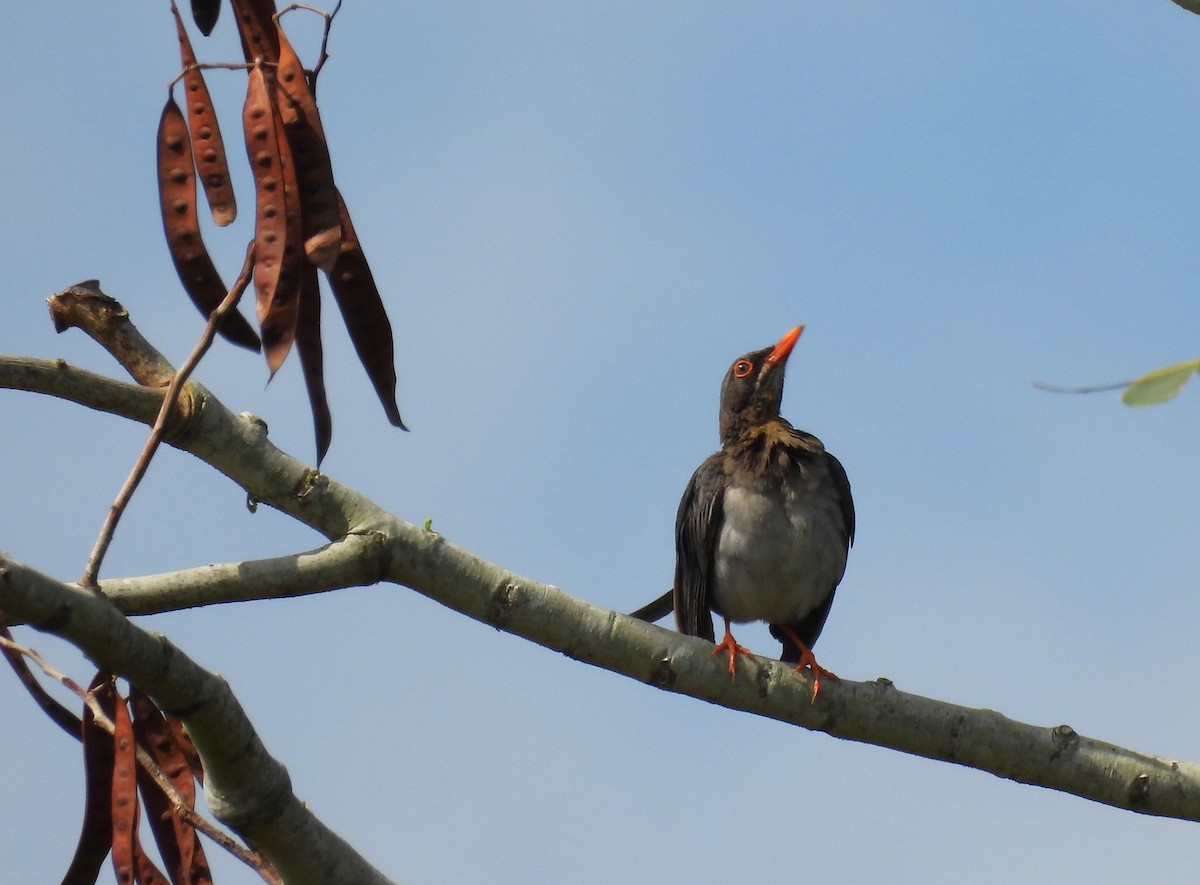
784	347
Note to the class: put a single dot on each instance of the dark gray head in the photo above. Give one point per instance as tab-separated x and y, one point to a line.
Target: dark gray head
753	387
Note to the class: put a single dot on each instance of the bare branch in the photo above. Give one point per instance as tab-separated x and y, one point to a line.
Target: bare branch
213	66
323	54
876	712
60	715
244	786
354	561
867	712
59	379
84	306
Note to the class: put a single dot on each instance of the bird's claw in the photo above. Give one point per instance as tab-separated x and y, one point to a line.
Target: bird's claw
729	646
807	661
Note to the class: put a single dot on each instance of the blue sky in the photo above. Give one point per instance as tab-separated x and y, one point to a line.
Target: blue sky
579	215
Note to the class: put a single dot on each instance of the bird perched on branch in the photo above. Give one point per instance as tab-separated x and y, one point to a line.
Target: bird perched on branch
765	524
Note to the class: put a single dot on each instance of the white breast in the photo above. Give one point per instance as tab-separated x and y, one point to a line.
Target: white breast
778	556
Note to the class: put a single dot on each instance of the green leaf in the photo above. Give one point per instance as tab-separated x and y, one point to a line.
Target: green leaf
1160	385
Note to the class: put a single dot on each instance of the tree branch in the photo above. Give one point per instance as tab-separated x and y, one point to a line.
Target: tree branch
59	379
867	712
106	321
353	561
159	430
875	712
244	786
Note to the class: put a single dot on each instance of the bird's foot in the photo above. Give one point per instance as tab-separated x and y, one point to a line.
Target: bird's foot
729	646
807	661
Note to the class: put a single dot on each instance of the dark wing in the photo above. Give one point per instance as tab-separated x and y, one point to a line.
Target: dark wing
697	526
841	482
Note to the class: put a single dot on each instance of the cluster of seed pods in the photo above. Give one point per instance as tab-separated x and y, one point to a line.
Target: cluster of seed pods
114	781
301	224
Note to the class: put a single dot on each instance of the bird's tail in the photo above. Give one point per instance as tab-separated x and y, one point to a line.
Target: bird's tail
656	610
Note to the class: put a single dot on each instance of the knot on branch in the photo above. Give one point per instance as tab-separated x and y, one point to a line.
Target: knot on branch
1137	794
504	600
104	319
1065	739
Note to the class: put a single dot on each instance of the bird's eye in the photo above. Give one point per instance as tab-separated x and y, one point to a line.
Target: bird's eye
742	368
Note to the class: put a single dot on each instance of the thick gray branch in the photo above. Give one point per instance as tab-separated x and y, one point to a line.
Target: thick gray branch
875	713
868	712
244	785
354	561
99	392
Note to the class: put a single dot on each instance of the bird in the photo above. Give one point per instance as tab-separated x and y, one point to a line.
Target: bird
764	526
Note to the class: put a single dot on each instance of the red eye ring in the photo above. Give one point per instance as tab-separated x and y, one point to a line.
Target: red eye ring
742	368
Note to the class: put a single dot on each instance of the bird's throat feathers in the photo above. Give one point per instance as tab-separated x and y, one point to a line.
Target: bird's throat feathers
772	447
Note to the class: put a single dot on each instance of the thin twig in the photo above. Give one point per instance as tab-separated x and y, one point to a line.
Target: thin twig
309	8
185	811
324	54
92	569
1099	388
213	66
64	718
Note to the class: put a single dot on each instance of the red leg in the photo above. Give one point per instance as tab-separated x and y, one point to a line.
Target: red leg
807	660
730	646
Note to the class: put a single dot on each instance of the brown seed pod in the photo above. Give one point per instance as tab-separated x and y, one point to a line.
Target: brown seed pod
96	836
208	146
270	211
278	325
318	196
312	358
178	844
124	794
256	27
130	861
366	319
184	741
204	14
177	198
